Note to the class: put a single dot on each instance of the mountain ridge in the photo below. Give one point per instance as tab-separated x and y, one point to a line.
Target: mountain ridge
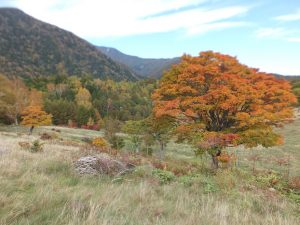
132	61
145	67
30	47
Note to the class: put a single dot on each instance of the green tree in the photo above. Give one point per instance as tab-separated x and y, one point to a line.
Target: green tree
83	114
61	110
135	130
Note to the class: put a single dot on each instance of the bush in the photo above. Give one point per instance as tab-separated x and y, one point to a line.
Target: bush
294	183
24	145
186	180
87	140
164	177
36	146
210	187
49	136
177	167
117	142
270	179
99	142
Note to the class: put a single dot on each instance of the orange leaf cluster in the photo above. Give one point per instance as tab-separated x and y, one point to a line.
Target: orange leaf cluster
226	96
35	116
226	158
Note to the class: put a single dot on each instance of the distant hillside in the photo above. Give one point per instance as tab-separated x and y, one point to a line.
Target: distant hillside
29	47
142	66
288	77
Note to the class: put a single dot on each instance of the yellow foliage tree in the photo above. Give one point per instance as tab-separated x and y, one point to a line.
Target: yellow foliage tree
35	116
83	97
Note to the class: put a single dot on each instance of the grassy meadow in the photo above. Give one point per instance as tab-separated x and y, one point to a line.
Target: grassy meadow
42	188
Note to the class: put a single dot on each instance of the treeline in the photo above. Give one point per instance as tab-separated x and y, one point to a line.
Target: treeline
78	101
296	89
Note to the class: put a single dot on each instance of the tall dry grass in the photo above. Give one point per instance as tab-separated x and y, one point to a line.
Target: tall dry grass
41	188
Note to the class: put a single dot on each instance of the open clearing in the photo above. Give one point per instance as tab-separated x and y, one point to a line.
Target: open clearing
42	188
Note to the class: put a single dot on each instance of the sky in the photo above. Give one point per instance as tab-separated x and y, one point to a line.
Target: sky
263	34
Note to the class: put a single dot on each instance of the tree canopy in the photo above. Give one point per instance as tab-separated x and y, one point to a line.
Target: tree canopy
215	95
35	116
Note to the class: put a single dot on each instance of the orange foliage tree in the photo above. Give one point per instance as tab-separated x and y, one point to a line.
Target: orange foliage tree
218	101
34	116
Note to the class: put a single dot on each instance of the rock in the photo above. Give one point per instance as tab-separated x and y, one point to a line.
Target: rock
100	164
272	190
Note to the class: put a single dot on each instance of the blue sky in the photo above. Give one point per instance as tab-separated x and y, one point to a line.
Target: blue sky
264	34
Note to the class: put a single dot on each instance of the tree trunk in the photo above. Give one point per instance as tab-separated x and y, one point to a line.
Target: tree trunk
214	157
215	162
16	121
161	152
31	130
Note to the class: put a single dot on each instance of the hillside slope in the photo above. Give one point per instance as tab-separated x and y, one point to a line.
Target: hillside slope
142	66
29	47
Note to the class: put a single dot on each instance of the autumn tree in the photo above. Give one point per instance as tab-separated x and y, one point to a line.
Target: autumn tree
34	116
21	93
222	102
7	97
17	97
83	98
112	127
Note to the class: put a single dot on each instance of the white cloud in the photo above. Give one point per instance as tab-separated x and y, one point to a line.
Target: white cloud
293	39
203	28
271	32
111	18
289	17
277	33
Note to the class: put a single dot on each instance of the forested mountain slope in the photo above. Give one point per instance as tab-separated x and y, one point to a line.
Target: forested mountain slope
29	47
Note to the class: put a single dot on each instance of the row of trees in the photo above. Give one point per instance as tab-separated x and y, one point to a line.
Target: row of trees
296	89
77	102
85	102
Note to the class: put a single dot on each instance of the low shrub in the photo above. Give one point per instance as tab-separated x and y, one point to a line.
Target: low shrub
24	145
99	142
294	183
164	176
210	186
186	180
117	142
227	159
49	136
177	167
36	146
271	179
87	140
56	130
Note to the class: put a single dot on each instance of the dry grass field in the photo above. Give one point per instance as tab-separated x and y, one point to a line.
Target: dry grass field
42	188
